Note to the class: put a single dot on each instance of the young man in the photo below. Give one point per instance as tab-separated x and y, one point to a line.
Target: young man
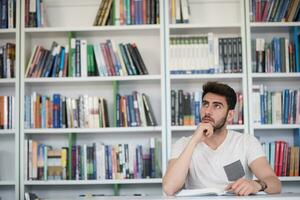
198	161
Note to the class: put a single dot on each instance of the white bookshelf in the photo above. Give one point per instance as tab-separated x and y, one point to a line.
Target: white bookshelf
77	17
222	18
274	82
80	80
9	138
7	183
193	128
114	130
96	182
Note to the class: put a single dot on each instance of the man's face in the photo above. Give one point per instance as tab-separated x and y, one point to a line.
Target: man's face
215	111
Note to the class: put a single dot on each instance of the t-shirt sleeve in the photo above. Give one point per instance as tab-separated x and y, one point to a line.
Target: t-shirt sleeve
254	149
178	147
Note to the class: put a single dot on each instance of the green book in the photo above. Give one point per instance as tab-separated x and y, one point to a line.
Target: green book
71	54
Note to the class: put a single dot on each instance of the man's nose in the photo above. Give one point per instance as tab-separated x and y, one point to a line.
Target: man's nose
208	110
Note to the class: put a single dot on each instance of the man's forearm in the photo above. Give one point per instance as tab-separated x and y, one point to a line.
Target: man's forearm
176	174
273	184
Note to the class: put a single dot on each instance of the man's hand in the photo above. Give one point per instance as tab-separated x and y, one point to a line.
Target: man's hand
244	187
203	131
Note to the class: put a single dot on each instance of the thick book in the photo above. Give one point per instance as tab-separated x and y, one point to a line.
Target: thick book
202	192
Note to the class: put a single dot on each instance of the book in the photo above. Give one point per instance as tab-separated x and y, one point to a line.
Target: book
202	192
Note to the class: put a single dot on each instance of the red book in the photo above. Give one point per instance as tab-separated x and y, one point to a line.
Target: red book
281	155
276	162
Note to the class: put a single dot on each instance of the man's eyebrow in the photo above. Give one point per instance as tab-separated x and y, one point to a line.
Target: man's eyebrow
214	102
217	102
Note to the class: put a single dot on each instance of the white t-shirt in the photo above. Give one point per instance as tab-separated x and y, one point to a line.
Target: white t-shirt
206	167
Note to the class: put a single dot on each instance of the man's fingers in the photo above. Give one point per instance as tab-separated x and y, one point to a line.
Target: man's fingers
228	187
237	183
244	191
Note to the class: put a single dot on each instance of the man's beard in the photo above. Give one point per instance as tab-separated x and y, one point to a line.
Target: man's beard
221	124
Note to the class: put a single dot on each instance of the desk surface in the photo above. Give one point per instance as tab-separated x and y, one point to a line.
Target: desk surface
286	196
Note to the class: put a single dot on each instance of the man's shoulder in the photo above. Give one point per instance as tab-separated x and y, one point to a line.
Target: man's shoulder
241	136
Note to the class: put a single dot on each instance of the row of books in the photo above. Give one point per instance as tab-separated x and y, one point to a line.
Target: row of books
134	110
274	11
279	55
98	161
284	159
7	112
185	108
35	13
179	11
275	107
126	12
58	111
7	60
7	14
82	60
205	54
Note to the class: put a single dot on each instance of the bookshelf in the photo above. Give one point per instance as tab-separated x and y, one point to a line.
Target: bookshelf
9	137
274	81
77	17
205	18
222	18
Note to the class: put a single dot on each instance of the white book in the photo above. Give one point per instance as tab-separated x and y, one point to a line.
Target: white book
83	57
287	60
96	112
276	108
178	11
201	192
117	12
256	104
185	11
85	164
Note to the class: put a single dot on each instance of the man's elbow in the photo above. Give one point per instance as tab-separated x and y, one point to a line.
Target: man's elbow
278	188
168	189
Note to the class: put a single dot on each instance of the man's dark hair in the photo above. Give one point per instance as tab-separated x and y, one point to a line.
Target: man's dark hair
222	90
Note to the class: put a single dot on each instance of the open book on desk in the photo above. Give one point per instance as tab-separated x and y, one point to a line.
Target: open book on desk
203	192
207	192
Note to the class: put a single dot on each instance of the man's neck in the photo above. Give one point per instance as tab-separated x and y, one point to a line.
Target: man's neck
217	138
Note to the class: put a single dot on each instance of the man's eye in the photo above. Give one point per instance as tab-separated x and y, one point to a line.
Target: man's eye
218	106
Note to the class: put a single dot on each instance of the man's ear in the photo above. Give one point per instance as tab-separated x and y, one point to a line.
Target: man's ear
230	115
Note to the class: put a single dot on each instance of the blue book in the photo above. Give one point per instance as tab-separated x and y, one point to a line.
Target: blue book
197	106
62	61
118	110
44	99
128	111
297	53
56	62
132	112
38	13
285	112
56	111
110	172
106	162
272	154
297	137
277	54
262	105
